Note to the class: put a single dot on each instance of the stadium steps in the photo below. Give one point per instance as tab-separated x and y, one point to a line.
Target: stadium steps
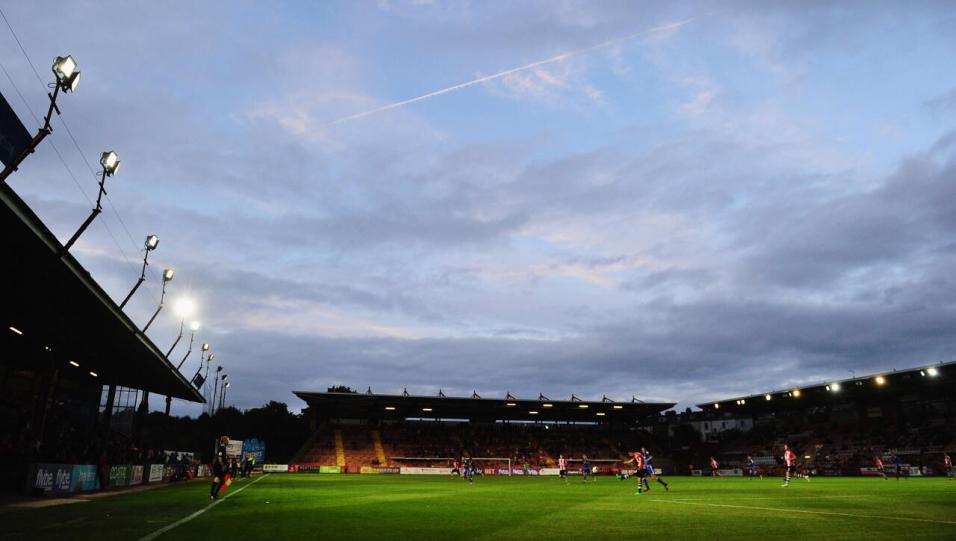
379	450
339	449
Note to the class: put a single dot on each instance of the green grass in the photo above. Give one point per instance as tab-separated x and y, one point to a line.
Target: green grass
307	506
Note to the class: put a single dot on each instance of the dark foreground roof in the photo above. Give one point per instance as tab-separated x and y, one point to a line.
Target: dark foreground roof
49	297
927	379
374	406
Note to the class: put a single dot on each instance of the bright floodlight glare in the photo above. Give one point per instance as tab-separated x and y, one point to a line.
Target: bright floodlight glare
184	307
510	404
796	393
74	363
168	274
600	414
545	405
880	380
67	76
16	330
766	397
63	67
933	372
426	409
194	326
390	408
583	406
716	406
618	407
152	241
211	357
532	412
205	346
110	162
835	386
94	374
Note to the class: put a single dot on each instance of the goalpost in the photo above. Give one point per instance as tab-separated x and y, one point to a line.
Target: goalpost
426	461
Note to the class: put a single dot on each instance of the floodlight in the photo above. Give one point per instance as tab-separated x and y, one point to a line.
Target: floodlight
16	330
205	346
94	374
67	76
184	307
168	274
933	372
767	397
583	406
211	357
110	162
510	404
743	402
426	409
194	326
796	393
618	407
600	414
716	406
880	380
74	363
389	408
228	385
152	241
546	405
835	387
532	413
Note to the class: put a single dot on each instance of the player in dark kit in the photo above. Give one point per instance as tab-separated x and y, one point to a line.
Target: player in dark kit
751	467
469	471
218	477
638	460
651	473
585	468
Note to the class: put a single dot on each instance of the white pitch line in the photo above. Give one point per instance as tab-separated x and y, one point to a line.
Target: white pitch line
184	520
831	513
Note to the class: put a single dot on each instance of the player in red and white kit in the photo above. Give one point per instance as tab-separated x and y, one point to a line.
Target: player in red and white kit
563	467
637	459
790	461
713	468
879	466
948	463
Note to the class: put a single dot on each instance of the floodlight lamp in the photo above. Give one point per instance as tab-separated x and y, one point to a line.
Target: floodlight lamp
743	402
511	404
152	241
205	346
618	407
933	372
110	162
227	385
583	406
880	380
389	408
600	414
716	406
532	412
225	377
184	307
67	76
835	387
796	393
168	275
767	397
426	409
194	326
211	358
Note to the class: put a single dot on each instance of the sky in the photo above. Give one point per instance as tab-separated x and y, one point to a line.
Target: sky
704	200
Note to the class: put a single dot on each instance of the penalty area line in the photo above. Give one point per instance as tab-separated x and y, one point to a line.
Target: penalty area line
808	512
186	519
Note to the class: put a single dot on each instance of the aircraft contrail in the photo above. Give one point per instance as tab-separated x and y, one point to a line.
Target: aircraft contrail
505	73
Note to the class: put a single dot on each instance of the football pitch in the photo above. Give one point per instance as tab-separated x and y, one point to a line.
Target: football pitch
313	506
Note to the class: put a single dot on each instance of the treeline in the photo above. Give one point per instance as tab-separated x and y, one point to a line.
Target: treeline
283	432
